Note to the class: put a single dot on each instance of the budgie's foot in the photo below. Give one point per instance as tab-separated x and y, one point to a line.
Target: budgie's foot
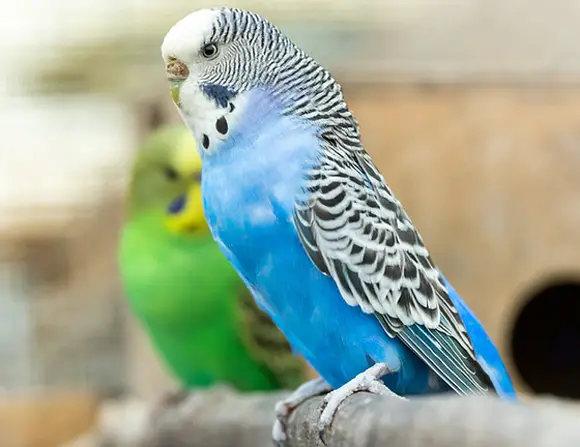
368	380
285	407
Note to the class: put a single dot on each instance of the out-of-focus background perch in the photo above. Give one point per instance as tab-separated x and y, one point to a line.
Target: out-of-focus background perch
223	418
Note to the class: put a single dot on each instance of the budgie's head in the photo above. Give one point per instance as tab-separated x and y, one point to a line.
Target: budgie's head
166	181
214	57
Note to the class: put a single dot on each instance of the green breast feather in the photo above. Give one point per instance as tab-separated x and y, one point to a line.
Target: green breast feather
201	318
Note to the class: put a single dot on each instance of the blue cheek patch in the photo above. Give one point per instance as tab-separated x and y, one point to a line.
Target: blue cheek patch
177	205
221	95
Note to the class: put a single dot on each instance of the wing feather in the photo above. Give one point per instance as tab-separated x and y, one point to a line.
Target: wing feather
356	231
267	344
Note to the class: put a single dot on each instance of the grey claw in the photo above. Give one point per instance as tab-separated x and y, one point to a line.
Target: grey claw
322	430
284	408
322	435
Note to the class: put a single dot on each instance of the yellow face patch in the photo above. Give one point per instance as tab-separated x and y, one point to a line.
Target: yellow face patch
186	158
190	219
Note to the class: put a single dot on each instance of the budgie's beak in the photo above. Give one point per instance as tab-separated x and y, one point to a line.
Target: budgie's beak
177	72
174	90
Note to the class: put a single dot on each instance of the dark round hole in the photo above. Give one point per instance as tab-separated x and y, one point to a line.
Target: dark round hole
545	341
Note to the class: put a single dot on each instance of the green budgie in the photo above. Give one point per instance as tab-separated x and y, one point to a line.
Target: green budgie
199	315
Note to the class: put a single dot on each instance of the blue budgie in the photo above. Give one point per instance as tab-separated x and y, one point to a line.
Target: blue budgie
307	220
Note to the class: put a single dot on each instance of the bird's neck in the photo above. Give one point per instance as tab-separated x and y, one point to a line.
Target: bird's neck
266	152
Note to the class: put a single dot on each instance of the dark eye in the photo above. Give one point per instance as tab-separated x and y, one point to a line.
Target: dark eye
170	173
209	51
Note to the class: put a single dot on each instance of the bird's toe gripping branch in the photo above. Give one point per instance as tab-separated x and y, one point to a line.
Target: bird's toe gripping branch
368	380
284	408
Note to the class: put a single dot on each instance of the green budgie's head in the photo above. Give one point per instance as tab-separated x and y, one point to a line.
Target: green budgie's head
166	181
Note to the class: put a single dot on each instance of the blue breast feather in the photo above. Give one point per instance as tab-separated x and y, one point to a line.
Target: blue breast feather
250	182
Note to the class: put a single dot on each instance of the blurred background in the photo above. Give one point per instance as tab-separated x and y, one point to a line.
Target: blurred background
471	110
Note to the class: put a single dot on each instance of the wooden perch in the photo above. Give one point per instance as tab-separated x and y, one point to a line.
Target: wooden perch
224	418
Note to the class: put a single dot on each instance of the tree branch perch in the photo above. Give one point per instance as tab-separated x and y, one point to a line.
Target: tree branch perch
224	418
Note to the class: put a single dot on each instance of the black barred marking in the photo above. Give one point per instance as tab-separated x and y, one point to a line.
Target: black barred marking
267	344
407	235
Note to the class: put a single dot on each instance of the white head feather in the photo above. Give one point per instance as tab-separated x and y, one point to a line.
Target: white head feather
184	40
